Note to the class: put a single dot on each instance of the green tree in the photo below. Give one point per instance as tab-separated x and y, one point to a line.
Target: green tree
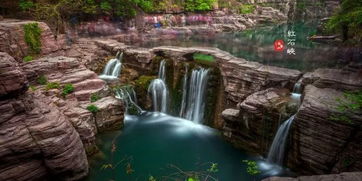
348	20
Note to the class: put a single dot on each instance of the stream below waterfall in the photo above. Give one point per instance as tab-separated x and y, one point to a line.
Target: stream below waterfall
158	145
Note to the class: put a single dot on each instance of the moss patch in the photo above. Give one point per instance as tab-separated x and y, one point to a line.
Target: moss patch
246	8
32	34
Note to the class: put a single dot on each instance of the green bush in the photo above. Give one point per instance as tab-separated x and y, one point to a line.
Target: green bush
92	108
246	8
348	20
94	97
67	89
42	80
26	5
32	34
199	5
52	85
27	58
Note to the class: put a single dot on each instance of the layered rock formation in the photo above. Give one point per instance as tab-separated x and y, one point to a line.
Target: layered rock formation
12	39
37	141
347	176
65	70
253	124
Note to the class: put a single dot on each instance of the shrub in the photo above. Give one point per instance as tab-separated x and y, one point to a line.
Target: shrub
94	97
26	5
42	80
349	104
32	88
32	34
67	89
246	8
27	58
199	5
92	108
52	85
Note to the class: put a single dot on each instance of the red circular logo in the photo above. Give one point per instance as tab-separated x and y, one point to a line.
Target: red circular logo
278	45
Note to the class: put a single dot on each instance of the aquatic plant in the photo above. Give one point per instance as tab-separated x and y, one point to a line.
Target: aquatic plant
67	89
42	80
252	167
27	58
92	108
32	34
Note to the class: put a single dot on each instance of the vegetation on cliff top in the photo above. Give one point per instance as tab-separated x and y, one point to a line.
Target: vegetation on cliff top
348	20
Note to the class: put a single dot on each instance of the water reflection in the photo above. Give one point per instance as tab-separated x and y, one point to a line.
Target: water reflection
257	45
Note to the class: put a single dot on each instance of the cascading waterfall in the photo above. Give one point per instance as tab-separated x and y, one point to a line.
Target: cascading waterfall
128	95
184	90
195	103
277	149
158	90
113	68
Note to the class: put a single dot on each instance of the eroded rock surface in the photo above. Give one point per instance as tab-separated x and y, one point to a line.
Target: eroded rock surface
347	176
12	39
321	144
37	141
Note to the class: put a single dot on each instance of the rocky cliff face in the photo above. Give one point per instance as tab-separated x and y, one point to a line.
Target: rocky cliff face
37	140
347	176
12	39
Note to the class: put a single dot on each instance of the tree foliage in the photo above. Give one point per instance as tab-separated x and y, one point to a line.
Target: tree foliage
199	5
348	20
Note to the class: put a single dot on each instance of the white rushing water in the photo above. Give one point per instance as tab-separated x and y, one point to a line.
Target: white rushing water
195	94
184	91
277	149
113	68
158	90
129	98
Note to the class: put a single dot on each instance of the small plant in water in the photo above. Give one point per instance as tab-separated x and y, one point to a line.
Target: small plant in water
252	168
213	168
67	89
151	178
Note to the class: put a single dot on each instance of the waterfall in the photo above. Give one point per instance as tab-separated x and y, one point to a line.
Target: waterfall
297	90
113	68
184	91
195	95
158	90
277	149
129	98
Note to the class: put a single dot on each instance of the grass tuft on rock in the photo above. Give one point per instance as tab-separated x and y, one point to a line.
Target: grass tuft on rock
92	108
27	58
42	80
67	89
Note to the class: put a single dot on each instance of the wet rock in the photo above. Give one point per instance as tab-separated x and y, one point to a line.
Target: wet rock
12	80
348	176
231	114
320	144
110	115
258	118
12	39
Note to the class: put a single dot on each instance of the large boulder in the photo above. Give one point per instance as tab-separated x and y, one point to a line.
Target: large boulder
12	39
